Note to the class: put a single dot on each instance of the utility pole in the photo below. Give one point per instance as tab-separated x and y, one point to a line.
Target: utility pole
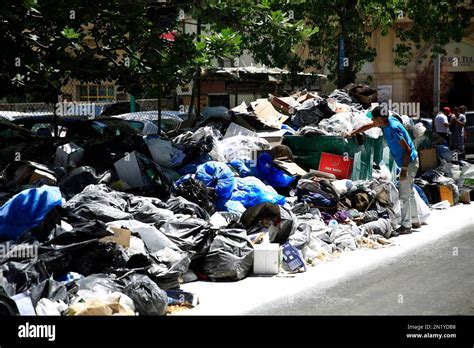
436	82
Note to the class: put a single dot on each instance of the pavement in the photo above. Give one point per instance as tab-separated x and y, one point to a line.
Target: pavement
427	272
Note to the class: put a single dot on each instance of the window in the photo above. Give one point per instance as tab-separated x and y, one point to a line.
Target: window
97	92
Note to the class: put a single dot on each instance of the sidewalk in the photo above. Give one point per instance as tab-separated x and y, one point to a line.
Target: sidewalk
234	298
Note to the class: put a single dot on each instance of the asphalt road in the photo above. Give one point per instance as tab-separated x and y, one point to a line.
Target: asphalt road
435	279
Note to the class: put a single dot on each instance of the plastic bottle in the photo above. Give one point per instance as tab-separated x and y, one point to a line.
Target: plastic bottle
333	224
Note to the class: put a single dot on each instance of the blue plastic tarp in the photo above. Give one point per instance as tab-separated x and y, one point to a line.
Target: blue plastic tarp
26	210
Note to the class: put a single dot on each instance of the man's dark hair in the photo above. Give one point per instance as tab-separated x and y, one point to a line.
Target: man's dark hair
377	112
456	109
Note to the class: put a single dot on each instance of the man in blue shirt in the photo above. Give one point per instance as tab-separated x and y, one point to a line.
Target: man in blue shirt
405	155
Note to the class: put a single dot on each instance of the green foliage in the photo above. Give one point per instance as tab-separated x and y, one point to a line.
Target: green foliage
432	22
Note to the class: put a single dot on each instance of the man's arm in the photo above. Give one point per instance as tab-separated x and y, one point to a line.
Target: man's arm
458	121
445	119
361	129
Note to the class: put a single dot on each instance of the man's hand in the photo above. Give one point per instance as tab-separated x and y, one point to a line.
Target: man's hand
348	135
403	173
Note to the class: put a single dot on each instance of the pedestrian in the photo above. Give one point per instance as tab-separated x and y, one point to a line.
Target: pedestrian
458	121
442	124
405	155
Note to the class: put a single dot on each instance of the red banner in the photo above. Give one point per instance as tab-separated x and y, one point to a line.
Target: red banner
340	166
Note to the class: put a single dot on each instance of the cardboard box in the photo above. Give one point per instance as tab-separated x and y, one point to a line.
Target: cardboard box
446	194
41	177
121	236
340	166
285	105
21	173
129	171
266	259
68	155
290	167
428	159
234	130
274	138
267	114
307	96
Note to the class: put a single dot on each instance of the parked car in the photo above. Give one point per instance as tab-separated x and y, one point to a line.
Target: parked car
18	144
146	122
469	132
72	126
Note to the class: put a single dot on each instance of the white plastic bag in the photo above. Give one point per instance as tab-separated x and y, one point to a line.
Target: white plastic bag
418	130
423	210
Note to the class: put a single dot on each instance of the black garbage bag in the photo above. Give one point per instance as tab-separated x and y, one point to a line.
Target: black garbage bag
195	191
341	96
21	276
149	209
57	259
159	184
50	289
201	141
75	183
100	282
82	231
231	217
189	234
180	205
309	114
170	265
98	258
148	298
279	221
139	261
230	256
7	305
81	178
153	238
99	202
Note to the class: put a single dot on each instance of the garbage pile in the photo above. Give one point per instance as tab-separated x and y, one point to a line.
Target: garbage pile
115	226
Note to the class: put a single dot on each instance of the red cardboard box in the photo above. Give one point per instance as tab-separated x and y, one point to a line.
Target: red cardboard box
340	166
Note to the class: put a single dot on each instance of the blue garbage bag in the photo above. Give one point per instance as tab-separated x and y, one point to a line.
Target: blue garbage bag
26	210
251	191
183	179
270	174
234	207
218	176
245	168
191	168
444	152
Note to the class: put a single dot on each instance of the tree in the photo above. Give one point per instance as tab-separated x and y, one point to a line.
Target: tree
268	29
433	21
422	89
121	41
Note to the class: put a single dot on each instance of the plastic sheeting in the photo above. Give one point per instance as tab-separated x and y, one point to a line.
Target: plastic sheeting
27	209
251	191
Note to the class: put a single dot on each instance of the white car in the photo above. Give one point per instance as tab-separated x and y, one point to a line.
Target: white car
146	122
